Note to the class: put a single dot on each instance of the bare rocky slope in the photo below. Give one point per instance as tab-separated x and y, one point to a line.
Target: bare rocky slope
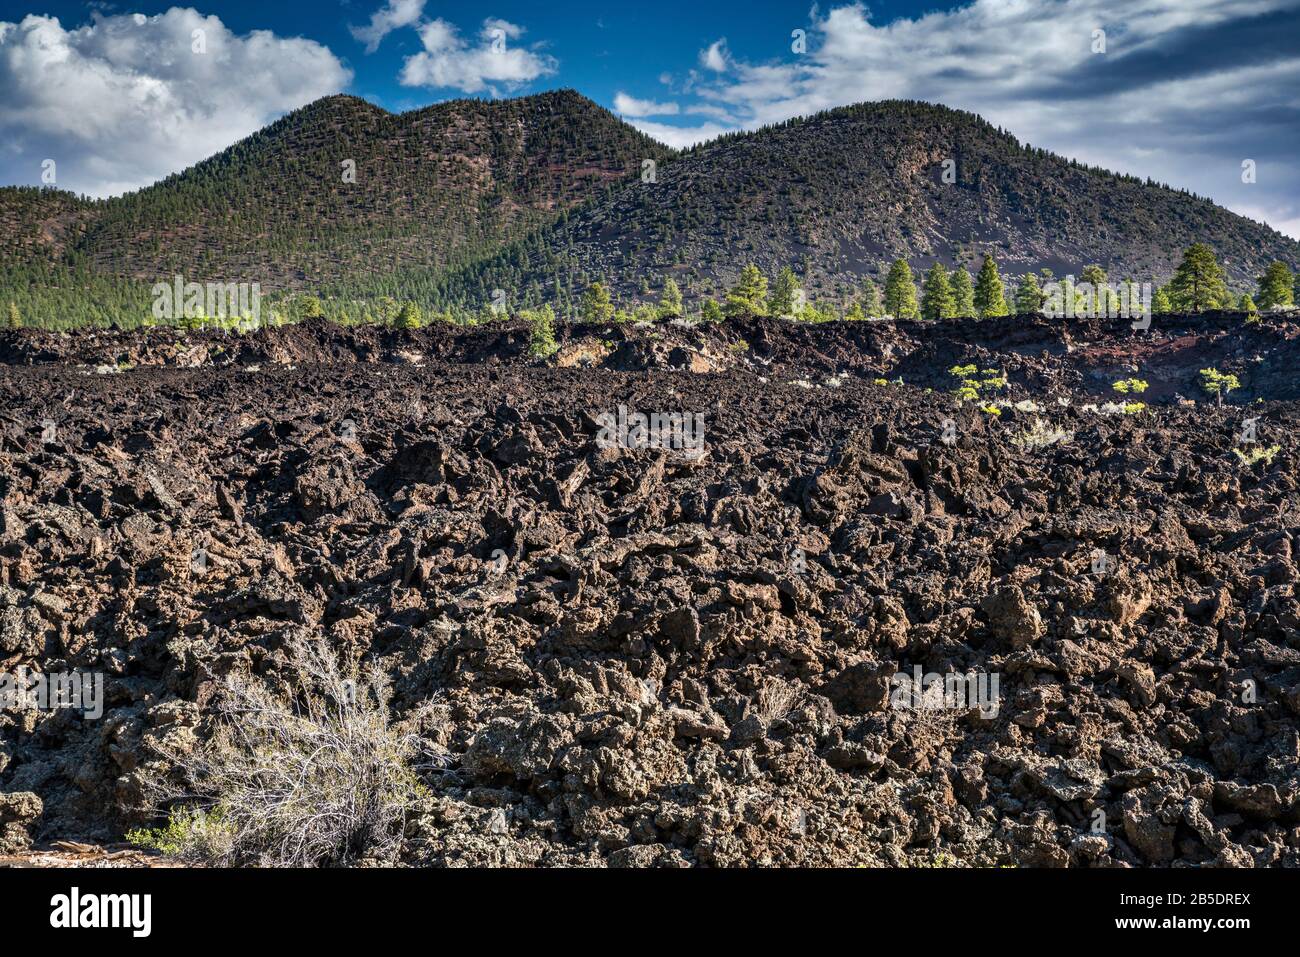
683	661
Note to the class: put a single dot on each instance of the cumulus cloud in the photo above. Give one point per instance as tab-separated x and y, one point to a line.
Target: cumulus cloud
715	56
394	15
631	106
125	100
1183	92
493	63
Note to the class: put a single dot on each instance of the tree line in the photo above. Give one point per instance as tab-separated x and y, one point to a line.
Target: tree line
1197	285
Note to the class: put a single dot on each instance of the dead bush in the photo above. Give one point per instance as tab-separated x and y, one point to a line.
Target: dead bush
313	774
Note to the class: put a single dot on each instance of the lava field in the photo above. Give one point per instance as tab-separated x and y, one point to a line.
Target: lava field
614	655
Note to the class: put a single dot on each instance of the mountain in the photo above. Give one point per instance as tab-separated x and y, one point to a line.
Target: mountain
542	195
435	187
838	194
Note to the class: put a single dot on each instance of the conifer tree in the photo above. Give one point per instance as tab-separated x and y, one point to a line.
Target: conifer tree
900	292
784	289
309	307
989	298
1160	304
1276	287
936	298
410	316
1101	294
963	294
1029	295
596	304
670	303
749	296
1198	281
387	309
870	298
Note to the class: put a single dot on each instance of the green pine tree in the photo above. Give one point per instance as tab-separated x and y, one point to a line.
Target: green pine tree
749	296
1160	304
670	303
936	297
784	289
410	316
710	311
386	309
900	292
1101	294
1275	287
1029	295
15	320
309	307
596	304
963	294
1198	281
870	298
541	342
989	298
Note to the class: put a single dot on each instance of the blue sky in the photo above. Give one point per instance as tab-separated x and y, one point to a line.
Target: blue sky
602	48
1184	91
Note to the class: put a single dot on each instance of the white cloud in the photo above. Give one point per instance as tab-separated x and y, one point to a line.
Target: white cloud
715	58
706	109
680	137
495	25
396	14
631	106
1184	90
124	101
449	61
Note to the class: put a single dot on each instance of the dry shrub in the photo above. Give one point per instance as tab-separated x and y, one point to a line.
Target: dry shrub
314	775
775	700
1041	435
932	722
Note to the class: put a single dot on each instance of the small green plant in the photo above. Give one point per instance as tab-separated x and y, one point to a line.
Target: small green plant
740	345
1133	408
975	381
1218	384
1130	386
880	381
186	829
991	409
1255	456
